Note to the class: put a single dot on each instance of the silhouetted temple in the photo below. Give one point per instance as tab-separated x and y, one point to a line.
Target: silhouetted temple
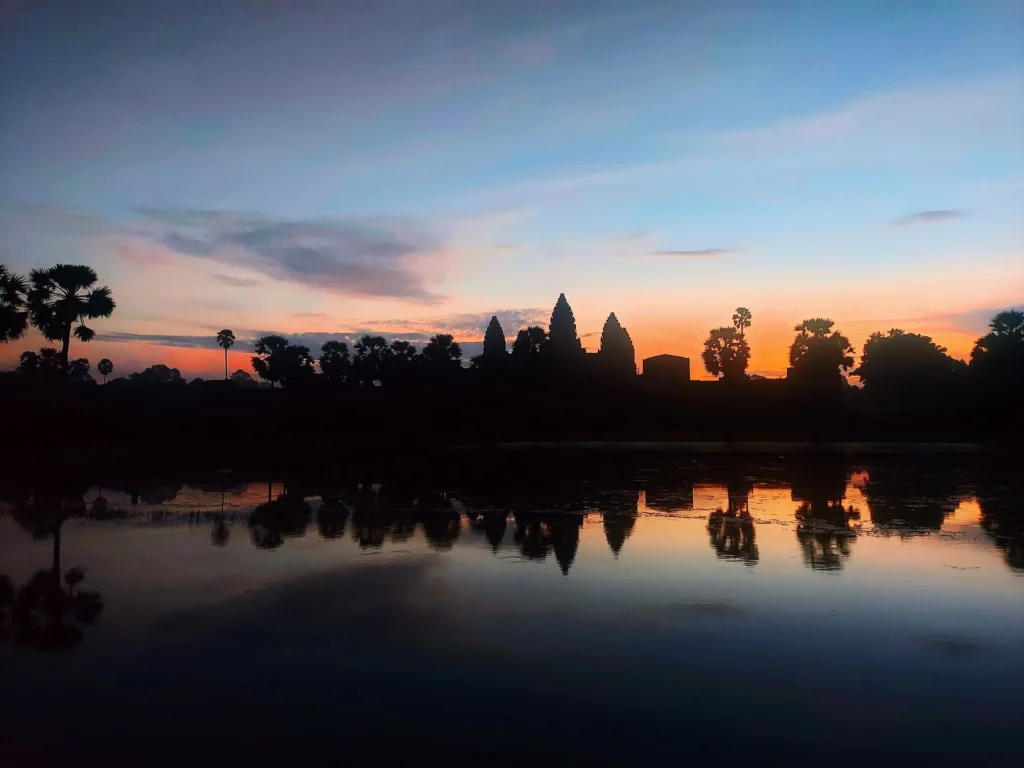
667	369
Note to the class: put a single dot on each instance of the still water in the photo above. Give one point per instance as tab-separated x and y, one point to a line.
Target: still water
593	610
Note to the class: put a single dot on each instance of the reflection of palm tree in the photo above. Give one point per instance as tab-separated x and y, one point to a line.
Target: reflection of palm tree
1001	498
531	534
912	499
45	612
823	524
669	491
367	530
824	535
331	518
221	533
270	523
733	537
1008	535
441	528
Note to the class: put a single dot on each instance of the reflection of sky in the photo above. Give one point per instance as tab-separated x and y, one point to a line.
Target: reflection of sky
665	636
666	555
665	161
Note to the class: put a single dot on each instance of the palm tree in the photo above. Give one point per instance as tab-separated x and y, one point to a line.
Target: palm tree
372	354
725	354
63	296
334	360
278	361
269	352
818	352
529	341
442	352
105	368
741	320
226	340
13	317
998	356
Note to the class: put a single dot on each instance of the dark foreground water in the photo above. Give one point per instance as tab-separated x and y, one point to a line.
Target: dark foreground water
687	609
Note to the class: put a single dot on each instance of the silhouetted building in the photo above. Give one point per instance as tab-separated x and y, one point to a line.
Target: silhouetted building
667	369
563	341
617	348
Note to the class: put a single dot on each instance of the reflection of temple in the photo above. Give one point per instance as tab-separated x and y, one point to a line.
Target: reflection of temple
493	526
538	534
617	529
618	512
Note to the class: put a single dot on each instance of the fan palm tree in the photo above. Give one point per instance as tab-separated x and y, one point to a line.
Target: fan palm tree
442	351
741	320
105	368
819	353
13	317
63	296
226	340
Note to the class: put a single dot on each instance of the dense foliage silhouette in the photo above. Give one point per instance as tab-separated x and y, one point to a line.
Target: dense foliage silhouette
62	298
726	351
545	387
277	361
998	356
13	314
820	355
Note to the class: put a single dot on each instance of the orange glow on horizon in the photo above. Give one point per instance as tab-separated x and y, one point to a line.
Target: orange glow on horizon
769	337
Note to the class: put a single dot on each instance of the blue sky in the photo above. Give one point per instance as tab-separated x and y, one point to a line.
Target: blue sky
422	161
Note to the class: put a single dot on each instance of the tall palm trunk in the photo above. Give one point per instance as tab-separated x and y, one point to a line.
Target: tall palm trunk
64	349
225	363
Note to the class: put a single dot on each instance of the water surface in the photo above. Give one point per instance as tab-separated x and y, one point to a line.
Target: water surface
587	610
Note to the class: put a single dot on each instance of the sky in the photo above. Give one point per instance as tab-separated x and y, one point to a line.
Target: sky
409	167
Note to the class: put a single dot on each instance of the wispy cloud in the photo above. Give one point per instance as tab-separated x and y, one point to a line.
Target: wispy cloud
929	217
699	253
366	257
469	325
236	282
170	340
973	321
902	125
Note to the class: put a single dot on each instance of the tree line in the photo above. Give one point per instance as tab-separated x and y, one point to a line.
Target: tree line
58	301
